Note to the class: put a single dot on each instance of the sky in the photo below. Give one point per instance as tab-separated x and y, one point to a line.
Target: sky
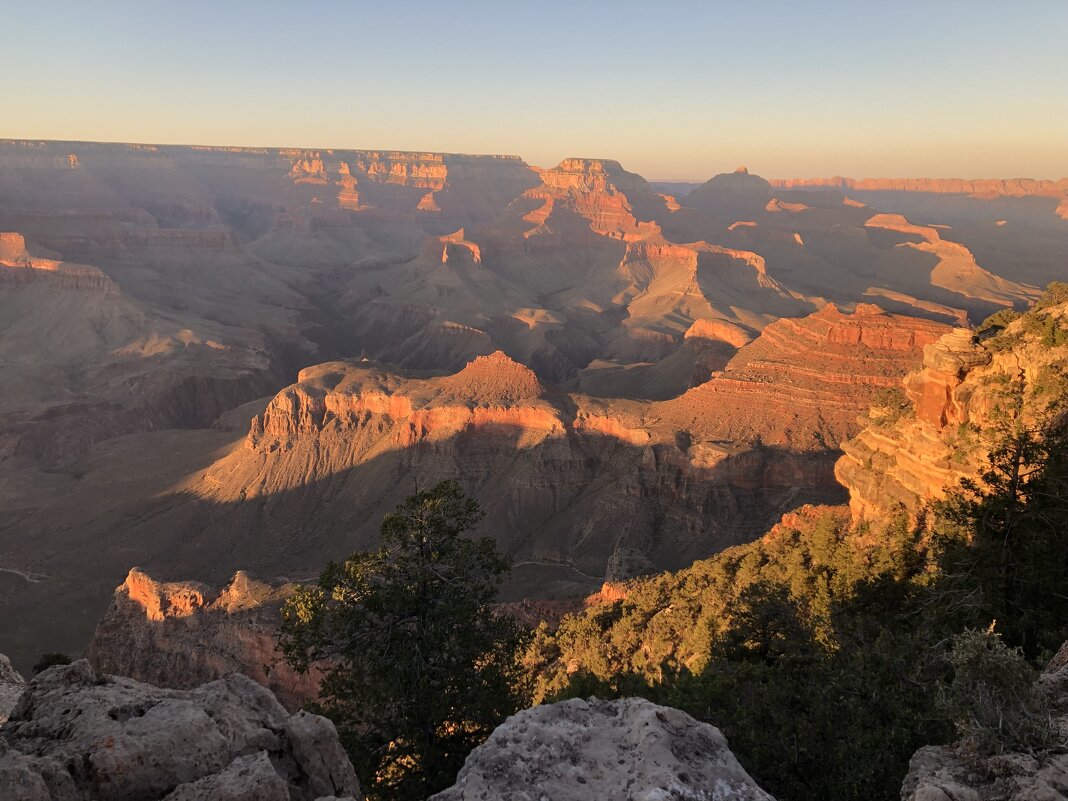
673	90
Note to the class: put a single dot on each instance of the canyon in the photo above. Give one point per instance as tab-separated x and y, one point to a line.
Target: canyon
627	376
967	390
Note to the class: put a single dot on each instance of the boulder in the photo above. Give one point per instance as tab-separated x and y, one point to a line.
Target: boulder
11	687
77	735
628	749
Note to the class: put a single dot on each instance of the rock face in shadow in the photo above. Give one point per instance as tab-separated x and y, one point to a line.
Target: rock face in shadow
945	773
183	634
78	735
11	686
580	750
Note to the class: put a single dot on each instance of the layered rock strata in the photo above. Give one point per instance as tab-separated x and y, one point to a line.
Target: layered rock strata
674	480
911	454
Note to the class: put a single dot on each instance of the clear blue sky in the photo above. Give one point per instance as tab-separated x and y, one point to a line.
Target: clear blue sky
671	89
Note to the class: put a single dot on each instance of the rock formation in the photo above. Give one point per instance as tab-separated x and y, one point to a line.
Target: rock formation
945	773
151	290
81	736
11	686
753	441
183	634
910	455
629	749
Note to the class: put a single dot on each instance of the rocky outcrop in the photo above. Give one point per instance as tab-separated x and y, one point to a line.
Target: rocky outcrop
11	686
183	634
614	201
911	454
804	380
79	735
17	266
579	750
947	773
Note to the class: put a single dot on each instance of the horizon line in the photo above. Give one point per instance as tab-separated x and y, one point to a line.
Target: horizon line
331	149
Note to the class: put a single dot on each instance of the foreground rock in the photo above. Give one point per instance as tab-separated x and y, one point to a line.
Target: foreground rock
11	686
945	773
78	735
629	749
184	633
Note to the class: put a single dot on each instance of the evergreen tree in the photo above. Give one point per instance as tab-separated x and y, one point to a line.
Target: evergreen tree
420	667
1013	555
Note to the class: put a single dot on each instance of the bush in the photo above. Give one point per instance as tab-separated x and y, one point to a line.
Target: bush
996	322
889	405
991	697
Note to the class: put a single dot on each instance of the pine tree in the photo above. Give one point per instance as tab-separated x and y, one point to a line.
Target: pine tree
420	667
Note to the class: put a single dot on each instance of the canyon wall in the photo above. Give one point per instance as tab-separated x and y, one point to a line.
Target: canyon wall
968	388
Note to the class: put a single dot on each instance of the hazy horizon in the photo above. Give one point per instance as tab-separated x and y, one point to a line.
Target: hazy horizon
828	89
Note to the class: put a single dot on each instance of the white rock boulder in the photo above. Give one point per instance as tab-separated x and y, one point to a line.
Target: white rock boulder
627	750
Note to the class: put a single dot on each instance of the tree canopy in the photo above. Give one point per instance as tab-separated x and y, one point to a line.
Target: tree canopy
419	666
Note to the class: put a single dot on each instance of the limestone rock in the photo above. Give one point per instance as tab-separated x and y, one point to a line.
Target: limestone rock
11	686
91	737
247	778
578	750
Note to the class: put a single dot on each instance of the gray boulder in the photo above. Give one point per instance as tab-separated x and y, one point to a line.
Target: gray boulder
628	750
80	735
11	687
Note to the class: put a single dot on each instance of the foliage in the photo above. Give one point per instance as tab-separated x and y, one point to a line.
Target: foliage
1056	294
810	648
822	650
1043	322
996	322
1048	329
50	659
421	669
1013	556
991	697
665	623
889	405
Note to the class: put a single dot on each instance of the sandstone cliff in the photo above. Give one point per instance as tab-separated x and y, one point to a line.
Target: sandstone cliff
567	480
579	750
183	634
911	450
81	736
